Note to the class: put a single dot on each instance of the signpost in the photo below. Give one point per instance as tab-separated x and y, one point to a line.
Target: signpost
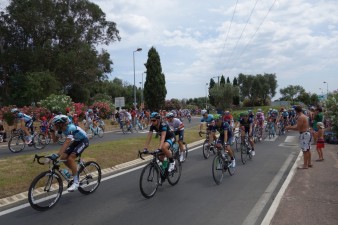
119	102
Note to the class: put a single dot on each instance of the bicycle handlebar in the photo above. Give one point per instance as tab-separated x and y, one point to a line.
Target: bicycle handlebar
154	153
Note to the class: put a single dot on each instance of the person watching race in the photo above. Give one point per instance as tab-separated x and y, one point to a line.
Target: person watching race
76	142
26	123
167	138
178	128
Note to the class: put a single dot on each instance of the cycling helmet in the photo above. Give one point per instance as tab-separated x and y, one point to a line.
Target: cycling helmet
203	112
15	110
60	119
90	111
259	110
155	115
226	113
170	115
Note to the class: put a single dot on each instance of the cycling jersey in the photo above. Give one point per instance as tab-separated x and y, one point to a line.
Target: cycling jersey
163	127
175	123
209	119
285	114
260	116
24	117
74	132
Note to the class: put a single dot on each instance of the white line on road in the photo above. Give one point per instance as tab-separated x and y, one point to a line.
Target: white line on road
263	200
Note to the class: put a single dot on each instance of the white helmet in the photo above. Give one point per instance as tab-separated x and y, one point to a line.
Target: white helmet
203	112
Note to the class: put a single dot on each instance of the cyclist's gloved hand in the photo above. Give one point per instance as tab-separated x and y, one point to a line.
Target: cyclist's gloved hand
145	151
54	156
158	150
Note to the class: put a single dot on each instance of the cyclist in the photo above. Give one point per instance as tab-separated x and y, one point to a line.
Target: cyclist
26	123
246	128
225	137
260	119
76	142
210	122
166	140
251	114
178	127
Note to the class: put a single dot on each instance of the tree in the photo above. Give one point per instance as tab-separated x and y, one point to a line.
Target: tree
228	80
291	92
154	87
56	36
223	95
222	82
212	84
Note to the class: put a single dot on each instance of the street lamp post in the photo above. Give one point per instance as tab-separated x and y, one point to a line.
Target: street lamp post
327	89
137	50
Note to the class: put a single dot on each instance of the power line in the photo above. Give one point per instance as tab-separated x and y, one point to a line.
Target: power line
240	37
253	36
226	38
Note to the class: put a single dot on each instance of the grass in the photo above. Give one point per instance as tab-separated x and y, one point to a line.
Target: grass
17	172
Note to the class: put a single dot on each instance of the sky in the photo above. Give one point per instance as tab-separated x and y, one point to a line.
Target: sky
197	40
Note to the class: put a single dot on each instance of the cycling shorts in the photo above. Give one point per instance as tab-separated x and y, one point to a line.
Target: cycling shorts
180	134
77	147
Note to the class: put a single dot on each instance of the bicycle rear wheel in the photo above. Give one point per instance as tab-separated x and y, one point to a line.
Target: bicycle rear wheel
218	169
175	175
45	139
124	128
16	143
45	191
149	180
89	177
206	149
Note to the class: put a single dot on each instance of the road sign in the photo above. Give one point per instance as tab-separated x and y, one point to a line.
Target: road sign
119	102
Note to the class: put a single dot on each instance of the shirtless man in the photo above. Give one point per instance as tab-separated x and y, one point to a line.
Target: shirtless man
302	126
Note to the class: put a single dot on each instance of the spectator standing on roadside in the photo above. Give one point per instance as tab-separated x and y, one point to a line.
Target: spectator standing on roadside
302	126
319	135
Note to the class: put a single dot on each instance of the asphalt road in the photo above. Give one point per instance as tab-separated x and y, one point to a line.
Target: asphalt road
240	199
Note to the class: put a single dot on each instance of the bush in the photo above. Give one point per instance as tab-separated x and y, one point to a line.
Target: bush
57	103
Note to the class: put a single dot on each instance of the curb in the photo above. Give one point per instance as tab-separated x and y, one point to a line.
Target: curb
21	198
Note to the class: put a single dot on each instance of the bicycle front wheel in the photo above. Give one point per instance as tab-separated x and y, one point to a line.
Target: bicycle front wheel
149	180
218	169
45	191
206	149
100	132
16	144
89	177
175	175
244	153
38	143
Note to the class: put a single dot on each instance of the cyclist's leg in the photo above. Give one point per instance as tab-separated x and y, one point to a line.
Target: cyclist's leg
180	140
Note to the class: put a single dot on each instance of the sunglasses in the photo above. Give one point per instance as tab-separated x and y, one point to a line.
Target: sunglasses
153	120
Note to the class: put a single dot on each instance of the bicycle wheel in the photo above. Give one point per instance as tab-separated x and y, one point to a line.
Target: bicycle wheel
125	128
16	143
100	132
45	191
206	149
175	175
238	143
217	169
229	166
45	139
89	177
244	153
149	180
62	139
37	142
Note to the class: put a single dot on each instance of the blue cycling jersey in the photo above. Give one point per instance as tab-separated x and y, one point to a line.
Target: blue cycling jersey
23	116
209	119
75	132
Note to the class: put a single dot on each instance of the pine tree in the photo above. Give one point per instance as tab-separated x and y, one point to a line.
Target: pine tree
154	88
